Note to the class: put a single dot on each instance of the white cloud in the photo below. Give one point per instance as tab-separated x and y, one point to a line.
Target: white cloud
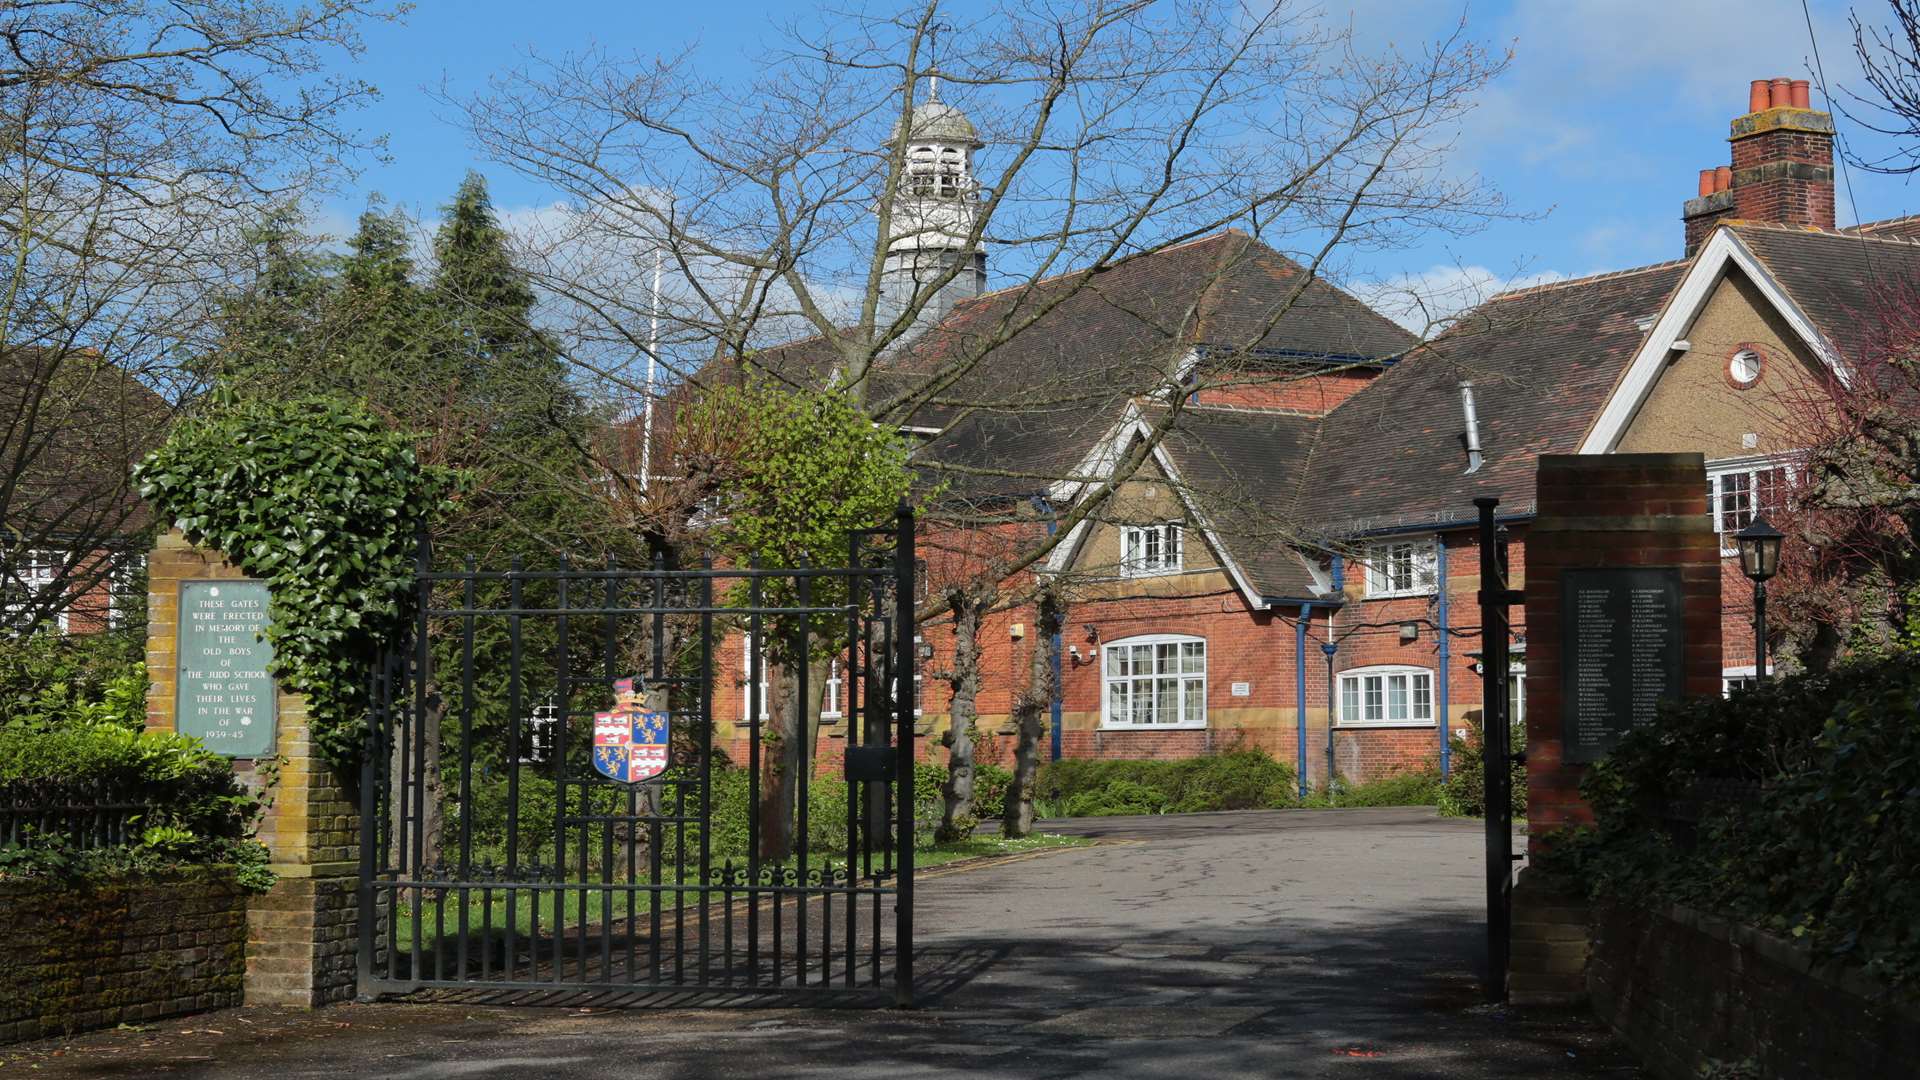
1426	301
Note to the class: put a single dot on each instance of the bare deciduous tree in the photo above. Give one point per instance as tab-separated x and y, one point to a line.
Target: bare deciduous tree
794	212
138	140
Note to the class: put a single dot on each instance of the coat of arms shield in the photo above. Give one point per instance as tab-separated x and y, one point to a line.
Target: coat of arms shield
630	744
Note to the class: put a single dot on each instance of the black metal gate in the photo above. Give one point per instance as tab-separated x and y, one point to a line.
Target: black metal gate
494	856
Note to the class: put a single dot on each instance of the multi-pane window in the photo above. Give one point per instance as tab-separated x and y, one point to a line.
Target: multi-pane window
1158	681
1150	549
30	583
1386	696
1735	496
127	588
1400	568
833	702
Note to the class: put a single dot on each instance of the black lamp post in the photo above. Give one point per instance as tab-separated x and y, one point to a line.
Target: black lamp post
1759	560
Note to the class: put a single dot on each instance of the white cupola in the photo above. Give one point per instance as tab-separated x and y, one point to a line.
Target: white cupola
934	210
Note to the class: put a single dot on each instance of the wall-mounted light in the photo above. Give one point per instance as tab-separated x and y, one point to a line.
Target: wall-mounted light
1409	631
925	650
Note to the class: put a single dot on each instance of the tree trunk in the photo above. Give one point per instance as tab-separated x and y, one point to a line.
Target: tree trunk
781	741
1030	715
957	821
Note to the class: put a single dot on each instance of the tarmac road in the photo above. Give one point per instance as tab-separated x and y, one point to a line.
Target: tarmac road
1261	944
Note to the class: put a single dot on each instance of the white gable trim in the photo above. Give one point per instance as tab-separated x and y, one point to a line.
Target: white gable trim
1723	252
1105	457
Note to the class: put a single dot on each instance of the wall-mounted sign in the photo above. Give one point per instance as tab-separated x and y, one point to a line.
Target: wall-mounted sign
1622	642
1241	689
225	697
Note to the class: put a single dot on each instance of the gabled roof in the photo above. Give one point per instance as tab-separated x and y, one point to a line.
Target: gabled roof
1046	395
1840	280
1241	471
1542	362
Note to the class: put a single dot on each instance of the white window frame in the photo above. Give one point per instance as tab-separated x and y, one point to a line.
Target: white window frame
1187	683
833	705
120	587
1750	468
1356	695
1168	540
1734	677
40	574
1421	568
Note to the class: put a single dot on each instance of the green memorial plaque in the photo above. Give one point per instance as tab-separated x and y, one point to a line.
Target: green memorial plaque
226	698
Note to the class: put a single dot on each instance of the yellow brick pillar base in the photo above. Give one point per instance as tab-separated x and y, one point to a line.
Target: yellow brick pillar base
1551	941
301	936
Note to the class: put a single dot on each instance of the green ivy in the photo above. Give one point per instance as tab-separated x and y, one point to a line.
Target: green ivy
323	501
1821	845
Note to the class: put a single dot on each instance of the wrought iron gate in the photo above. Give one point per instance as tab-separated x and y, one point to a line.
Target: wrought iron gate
496	856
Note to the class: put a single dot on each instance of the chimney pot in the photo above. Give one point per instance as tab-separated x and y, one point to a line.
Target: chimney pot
1802	97
1781	95
1758	94
1706	181
1723	178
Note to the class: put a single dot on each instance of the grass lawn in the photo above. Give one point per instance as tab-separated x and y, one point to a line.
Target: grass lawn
599	905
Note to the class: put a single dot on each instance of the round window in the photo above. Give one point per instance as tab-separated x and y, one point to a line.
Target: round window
1743	367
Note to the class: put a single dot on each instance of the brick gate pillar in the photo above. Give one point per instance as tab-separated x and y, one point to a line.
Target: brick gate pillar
301	937
1598	514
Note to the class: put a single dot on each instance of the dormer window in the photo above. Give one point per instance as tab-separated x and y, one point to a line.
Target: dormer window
1146	550
1400	568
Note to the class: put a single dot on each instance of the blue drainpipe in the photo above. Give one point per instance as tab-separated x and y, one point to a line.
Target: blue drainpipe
1059	690
1300	688
1446	653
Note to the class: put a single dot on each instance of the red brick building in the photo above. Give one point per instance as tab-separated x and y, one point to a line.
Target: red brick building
1294	567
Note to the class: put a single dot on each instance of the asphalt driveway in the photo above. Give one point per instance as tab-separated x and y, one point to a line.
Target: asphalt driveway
1264	944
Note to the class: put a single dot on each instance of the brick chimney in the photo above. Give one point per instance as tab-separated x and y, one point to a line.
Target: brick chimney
1782	168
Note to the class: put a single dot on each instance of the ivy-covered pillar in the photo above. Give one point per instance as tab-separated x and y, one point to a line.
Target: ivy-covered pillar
206	663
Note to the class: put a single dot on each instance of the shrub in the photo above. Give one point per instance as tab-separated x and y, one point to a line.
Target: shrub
196	809
1237	780
1405	789
1464	792
52	679
1823	849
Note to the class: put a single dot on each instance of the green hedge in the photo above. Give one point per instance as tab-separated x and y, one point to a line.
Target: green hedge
1237	780
1825	851
1464	792
197	810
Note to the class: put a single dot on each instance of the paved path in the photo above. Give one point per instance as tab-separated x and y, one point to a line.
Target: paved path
1270	944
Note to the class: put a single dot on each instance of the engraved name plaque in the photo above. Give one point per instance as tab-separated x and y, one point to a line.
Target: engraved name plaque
1622	642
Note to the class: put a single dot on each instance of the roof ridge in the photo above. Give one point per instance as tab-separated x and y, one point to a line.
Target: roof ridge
1221	235
1868	226
1851	233
1548	286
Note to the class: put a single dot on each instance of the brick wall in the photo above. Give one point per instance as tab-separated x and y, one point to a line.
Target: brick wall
301	946
1685	990
1618	510
1311	394
77	957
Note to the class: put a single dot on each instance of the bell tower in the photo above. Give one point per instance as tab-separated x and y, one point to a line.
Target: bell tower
933	213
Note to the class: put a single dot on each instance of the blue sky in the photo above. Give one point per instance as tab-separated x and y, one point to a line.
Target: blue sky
1610	108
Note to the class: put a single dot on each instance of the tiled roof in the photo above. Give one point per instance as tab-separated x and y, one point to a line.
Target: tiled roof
1053	388
1542	361
1242	470
1841	280
91	420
